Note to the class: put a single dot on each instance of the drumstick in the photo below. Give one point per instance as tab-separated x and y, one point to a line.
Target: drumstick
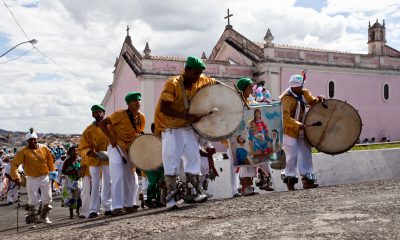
241	95
324	104
319	123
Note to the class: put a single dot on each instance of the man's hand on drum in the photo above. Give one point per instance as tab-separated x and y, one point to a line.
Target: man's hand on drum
194	118
320	98
92	153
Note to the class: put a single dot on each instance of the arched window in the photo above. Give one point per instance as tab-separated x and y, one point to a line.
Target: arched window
386	91
331	89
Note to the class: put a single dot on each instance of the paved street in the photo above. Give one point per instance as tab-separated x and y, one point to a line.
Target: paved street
358	211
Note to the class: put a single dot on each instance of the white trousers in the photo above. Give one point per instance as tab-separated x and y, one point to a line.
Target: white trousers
204	166
144	185
101	173
124	183
234	180
1	181
180	144
234	175
85	197
247	171
298	155
33	184
12	194
251	171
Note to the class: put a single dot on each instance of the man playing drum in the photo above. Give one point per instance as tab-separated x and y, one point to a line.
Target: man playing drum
124	125
245	85
172	121
298	151
38	163
92	141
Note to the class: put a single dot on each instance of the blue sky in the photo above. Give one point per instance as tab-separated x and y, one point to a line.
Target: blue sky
317	5
85	37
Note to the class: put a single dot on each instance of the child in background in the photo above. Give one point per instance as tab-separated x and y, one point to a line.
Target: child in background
72	192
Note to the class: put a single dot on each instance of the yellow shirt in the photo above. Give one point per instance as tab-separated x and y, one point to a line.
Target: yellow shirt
172	92
291	126
38	162
93	139
123	129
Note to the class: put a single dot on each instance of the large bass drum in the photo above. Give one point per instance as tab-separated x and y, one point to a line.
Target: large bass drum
145	152
224	107
332	127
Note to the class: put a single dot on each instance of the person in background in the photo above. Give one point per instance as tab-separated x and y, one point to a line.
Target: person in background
38	163
153	189
71	192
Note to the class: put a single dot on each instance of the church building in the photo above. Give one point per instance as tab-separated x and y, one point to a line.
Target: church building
369	82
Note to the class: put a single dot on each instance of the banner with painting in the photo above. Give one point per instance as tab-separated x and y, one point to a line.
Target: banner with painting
259	136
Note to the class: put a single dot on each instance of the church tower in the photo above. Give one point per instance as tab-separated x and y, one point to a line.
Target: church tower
376	38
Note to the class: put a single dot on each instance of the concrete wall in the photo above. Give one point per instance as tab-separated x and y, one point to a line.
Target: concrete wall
350	167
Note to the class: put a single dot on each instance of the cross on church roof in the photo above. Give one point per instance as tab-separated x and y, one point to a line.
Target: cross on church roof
228	16
127	30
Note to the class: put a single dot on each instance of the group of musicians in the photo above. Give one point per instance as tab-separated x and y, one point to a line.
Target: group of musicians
180	144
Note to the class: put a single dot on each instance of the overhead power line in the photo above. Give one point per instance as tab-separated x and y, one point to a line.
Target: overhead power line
36	48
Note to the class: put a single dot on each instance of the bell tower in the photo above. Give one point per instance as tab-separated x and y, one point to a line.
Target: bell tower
376	38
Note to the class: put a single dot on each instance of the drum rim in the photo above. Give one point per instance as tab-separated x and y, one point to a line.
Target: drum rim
226	135
342	151
129	153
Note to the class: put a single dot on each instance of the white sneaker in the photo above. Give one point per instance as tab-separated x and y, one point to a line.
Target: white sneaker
46	220
171	204
200	197
32	225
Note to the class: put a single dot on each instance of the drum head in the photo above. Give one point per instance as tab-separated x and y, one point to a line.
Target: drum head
227	108
145	152
340	129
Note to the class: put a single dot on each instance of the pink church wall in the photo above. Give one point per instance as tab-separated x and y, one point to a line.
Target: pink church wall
364	92
230	53
126	82
109	104
342	58
158	87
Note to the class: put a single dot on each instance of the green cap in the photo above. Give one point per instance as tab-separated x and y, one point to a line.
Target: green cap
98	107
195	62
243	83
133	96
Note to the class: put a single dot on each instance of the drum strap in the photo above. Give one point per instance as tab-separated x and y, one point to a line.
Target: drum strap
185	98
133	120
298	98
300	104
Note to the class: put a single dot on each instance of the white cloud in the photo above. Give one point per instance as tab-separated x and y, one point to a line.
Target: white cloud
86	36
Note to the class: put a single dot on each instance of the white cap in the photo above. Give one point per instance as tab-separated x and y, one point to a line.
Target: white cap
296	81
30	135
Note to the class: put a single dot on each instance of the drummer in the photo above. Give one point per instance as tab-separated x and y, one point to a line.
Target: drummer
247	173
294	100
92	141
172	122
125	125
